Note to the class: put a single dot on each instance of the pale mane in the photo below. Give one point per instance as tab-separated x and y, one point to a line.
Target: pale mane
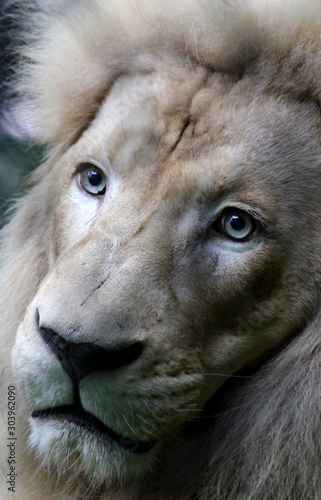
75	51
72	55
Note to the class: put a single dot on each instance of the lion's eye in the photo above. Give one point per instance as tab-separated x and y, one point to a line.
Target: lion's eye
237	225
92	180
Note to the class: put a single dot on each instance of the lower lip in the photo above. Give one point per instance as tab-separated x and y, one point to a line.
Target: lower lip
77	415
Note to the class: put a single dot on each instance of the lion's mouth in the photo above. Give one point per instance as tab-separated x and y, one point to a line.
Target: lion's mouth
77	415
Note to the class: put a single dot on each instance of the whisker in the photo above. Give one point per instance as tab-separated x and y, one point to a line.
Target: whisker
148	426
131	428
227	375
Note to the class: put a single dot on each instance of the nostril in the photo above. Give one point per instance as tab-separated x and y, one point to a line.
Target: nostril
80	359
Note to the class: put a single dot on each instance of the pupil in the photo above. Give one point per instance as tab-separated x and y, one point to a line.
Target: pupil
237	223
94	178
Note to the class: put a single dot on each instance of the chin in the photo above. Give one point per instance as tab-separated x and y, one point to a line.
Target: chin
70	449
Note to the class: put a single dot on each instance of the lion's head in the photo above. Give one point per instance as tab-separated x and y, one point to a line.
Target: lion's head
170	242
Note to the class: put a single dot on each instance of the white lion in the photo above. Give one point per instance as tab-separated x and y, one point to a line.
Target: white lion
160	282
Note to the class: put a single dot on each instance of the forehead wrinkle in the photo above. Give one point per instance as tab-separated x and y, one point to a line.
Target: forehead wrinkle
154	105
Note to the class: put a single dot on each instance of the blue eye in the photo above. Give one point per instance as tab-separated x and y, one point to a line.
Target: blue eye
93	180
237	225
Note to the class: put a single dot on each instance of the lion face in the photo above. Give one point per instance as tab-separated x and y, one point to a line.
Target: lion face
178	229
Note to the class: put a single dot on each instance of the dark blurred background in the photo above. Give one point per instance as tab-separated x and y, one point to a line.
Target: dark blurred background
19	154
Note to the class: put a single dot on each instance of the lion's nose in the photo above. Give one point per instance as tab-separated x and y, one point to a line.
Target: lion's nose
80	359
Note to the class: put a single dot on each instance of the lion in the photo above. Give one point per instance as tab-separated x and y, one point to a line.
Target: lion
160	279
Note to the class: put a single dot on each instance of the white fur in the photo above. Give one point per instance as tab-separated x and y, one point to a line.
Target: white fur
96	73
74	53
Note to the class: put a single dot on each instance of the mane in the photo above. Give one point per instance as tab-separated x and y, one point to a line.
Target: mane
267	444
71	53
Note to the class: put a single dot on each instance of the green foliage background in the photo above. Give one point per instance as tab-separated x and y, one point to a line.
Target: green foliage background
17	155
17	160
